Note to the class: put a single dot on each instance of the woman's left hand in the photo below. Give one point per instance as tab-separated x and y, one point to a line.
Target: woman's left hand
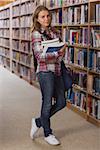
62	50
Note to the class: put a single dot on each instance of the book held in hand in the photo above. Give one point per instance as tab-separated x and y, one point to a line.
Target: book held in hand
52	45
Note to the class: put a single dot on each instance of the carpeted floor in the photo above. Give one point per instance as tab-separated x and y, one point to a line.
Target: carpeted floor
19	102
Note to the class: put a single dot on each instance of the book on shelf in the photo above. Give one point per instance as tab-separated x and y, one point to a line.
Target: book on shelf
94	60
95	108
52	45
90	83
96	85
77	98
95	13
95	37
93	84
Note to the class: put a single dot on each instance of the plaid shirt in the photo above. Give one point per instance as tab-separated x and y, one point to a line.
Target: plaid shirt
49	61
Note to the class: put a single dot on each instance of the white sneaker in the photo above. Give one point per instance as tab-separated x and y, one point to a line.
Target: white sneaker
51	139
34	128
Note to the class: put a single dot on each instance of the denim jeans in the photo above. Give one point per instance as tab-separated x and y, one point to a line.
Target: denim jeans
51	85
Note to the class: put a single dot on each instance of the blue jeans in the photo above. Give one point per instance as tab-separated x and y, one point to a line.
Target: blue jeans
51	86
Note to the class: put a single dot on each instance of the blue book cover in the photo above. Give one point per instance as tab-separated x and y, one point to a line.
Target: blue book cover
90	65
52	45
96	85
54	49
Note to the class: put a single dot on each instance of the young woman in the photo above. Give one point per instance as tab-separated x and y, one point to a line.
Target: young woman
48	73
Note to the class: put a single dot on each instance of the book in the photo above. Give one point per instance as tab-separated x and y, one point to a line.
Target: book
96	85
95	37
56	41
52	45
90	83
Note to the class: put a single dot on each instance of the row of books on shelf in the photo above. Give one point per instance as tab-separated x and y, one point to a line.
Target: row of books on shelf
94	60
95	11
24	21
4	33
80	79
23	33
16	10
15	66
88	104
76	56
24	72
16	22
25	47
57	16
15	44
75	15
71	15
15	33
79	56
5	13
21	70
5	61
51	3
24	8
16	55
4	42
80	36
26	59
21	46
92	82
77	98
93	107
20	57
70	2
95	37
4	52
5	23
60	3
97	14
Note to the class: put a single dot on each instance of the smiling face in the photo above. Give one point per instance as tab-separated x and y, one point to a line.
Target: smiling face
44	18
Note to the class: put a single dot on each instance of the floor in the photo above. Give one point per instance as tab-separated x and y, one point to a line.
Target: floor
19	102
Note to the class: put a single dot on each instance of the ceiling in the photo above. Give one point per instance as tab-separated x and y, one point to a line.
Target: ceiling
4	2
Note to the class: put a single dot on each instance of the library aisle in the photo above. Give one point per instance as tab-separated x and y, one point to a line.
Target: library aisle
19	101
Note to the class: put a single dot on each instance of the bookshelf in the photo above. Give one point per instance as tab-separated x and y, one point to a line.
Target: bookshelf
5	29
79	23
84	60
22	60
15	48
93	92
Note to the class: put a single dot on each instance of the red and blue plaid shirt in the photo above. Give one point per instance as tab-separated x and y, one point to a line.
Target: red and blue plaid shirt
49	61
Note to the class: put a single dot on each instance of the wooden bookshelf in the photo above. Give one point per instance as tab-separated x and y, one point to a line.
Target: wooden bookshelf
76	109
88	23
